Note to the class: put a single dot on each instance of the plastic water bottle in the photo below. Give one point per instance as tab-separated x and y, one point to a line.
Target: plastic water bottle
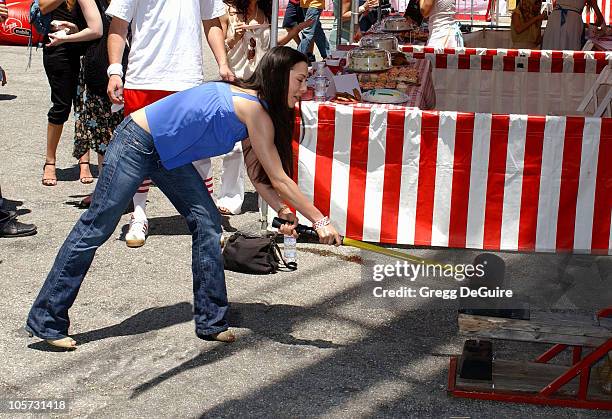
290	251
320	81
320	88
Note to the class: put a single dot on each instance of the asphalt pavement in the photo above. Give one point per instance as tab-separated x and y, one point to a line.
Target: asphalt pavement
311	343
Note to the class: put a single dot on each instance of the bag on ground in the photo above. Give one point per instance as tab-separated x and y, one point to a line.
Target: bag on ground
252	254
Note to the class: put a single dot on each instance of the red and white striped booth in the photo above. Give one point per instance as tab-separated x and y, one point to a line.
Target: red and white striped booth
464	176
511	81
483	181
606	9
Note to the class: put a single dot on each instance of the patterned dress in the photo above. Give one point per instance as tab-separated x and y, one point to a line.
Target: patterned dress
95	123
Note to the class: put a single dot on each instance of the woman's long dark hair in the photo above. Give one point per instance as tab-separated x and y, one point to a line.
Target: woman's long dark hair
271	81
242	6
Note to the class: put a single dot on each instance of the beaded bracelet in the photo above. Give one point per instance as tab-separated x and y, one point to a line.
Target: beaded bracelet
321	223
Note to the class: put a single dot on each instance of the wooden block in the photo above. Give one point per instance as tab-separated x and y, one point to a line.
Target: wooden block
543	328
476	360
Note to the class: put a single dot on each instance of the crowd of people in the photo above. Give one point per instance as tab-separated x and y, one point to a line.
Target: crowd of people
85	33
564	29
169	117
9	226
102	56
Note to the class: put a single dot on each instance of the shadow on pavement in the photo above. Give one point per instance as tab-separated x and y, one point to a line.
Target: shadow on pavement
173	225
393	352
146	321
274	322
12	205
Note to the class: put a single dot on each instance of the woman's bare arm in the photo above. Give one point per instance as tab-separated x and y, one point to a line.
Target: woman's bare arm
293	32
600	19
94	22
267	192
261	134
520	27
426	6
92	31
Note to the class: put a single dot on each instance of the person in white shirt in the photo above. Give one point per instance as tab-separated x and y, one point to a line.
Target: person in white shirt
443	29
165	57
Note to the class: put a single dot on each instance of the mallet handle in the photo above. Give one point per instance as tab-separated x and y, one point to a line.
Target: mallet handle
301	228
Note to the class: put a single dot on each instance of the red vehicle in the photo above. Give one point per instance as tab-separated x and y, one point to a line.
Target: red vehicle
16	30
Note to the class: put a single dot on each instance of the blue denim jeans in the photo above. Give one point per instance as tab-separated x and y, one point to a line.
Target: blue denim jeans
314	32
130	158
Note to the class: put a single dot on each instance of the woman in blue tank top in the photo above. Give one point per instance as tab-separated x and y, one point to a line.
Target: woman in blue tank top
160	141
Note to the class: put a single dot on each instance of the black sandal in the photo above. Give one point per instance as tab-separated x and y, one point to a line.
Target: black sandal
48	181
86	180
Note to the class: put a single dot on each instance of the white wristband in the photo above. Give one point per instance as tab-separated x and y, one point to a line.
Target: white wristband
115	69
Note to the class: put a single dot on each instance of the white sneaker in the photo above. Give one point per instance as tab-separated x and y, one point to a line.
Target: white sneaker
137	234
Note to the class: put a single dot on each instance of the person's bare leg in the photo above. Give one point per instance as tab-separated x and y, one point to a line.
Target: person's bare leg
54	132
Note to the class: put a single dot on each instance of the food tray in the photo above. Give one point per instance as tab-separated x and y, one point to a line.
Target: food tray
387	96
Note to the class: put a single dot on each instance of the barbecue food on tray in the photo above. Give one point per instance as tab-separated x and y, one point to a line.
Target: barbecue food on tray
396	78
399	59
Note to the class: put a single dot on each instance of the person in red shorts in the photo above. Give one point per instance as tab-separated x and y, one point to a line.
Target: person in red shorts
165	57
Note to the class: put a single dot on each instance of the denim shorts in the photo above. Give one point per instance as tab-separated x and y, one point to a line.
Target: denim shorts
293	15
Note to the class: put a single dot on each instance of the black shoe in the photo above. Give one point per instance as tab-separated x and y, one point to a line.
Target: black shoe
6	215
10	227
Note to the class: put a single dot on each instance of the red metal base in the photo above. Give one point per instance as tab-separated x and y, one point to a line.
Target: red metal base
511	397
547	395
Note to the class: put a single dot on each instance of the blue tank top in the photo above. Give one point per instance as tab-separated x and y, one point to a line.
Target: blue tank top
195	124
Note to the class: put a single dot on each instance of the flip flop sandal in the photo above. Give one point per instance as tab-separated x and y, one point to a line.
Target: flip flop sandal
225	211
